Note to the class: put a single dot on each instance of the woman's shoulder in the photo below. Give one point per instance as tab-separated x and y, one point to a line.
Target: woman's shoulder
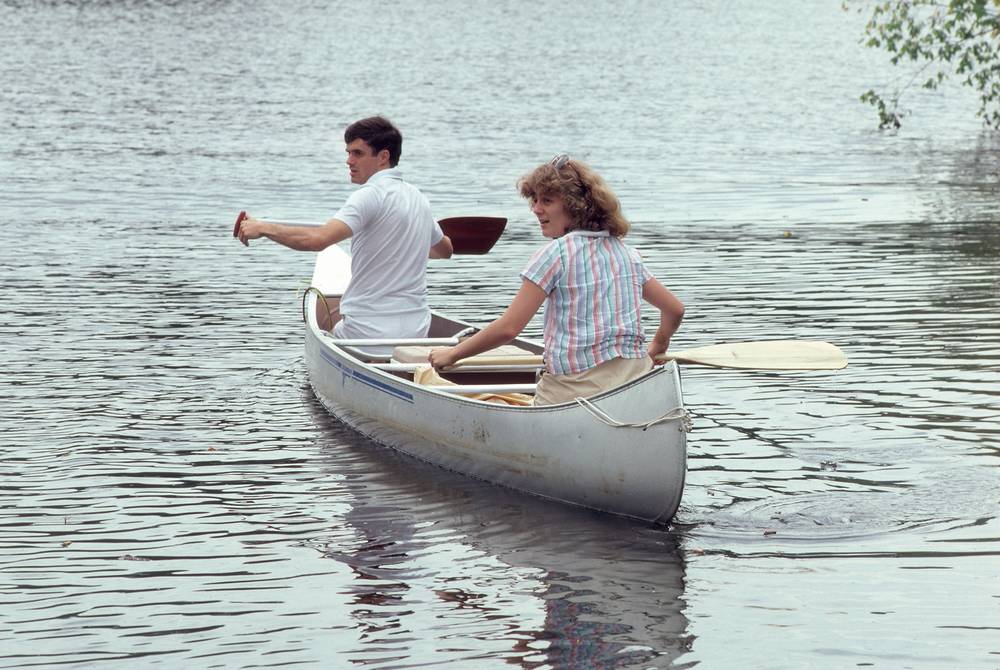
558	245
551	249
627	248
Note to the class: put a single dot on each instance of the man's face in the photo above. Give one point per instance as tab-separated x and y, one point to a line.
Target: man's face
363	163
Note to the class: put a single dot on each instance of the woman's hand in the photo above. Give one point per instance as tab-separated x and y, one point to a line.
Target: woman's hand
656	347
442	357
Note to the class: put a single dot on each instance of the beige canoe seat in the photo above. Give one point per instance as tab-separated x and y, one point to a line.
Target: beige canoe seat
414	354
425	375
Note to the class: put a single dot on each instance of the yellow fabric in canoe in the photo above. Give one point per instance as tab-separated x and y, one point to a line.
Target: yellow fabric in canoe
425	375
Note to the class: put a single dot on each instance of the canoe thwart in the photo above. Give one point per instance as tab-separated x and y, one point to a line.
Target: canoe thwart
468	368
424	342
508	354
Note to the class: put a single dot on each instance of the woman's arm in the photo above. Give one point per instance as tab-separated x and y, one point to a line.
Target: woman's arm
510	324
671	314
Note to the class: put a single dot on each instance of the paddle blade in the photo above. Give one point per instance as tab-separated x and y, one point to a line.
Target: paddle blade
768	355
473	234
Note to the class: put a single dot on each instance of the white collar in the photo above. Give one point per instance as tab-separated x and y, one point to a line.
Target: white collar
590	233
388	173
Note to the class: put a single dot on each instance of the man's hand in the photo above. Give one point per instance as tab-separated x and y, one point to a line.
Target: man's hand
443	249
250	229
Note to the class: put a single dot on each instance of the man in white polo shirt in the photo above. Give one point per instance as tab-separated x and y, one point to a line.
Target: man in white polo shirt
392	235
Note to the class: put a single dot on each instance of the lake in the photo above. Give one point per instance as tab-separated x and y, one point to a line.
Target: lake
173	494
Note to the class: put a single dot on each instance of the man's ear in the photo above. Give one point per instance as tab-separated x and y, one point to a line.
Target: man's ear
383	156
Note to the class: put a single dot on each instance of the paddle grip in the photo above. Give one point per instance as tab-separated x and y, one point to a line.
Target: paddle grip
239	221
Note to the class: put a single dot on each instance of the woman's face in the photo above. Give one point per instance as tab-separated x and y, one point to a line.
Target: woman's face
552	215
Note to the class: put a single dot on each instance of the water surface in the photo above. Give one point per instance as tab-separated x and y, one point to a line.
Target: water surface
173	495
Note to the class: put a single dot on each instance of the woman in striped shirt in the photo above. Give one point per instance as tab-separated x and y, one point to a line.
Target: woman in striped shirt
592	284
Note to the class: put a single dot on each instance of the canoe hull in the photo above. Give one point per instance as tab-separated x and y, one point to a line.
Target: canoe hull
562	452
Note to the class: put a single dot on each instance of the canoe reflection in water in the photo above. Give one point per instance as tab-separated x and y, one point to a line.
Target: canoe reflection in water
477	571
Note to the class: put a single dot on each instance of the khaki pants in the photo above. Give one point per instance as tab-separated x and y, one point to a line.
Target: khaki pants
553	389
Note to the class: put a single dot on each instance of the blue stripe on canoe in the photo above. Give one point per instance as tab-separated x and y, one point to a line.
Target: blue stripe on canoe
365	379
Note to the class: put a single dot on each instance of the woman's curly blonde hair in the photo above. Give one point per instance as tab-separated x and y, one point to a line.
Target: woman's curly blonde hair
589	201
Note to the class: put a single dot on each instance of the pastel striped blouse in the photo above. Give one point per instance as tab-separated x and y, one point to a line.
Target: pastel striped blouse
592	313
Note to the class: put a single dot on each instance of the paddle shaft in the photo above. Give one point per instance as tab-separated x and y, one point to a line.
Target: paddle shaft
766	355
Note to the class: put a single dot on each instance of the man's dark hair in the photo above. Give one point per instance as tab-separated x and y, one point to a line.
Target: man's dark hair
378	133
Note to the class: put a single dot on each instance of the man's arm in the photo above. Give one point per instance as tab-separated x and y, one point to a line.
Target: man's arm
442	249
300	238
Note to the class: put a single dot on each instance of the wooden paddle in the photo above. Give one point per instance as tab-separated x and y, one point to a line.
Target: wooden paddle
768	355
468	234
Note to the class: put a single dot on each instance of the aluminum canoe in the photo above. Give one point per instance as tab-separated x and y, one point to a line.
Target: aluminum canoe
621	452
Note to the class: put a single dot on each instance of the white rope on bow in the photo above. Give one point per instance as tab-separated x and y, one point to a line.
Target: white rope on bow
676	414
